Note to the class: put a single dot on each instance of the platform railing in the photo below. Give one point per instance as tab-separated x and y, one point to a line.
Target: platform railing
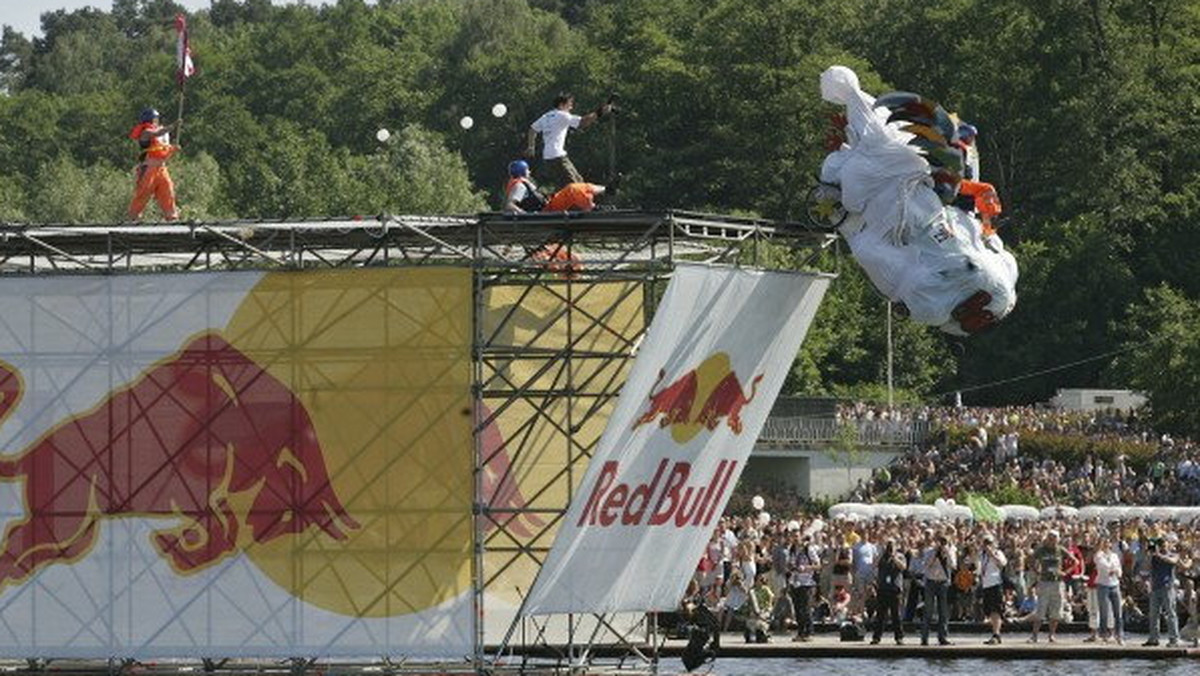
806	431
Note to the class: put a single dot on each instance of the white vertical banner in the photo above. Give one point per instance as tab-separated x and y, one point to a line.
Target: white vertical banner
715	357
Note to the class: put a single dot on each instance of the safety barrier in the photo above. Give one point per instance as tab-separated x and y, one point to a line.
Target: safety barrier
827	430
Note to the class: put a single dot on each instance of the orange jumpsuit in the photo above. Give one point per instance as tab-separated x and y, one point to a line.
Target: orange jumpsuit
153	179
573	197
987	202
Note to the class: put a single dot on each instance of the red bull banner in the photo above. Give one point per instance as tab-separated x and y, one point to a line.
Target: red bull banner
237	464
705	378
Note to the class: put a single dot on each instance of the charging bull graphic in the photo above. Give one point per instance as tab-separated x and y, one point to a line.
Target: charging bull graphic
192	439
713	382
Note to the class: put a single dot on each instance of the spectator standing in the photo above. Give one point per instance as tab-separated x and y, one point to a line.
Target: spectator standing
804	561
1048	562
1108	591
889	581
991	574
940	560
1163	562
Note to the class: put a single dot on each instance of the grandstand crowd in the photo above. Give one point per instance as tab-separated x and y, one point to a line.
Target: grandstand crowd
766	575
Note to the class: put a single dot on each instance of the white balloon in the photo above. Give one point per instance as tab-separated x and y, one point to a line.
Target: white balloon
467	122
940	503
757	502
763	519
793	525
499	110
950	502
383	135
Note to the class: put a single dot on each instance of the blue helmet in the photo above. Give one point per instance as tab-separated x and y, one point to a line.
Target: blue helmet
518	168
966	132
149	114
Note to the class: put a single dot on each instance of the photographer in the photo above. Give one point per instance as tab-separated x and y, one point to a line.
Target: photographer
888	583
803	563
1163	561
991	573
940	560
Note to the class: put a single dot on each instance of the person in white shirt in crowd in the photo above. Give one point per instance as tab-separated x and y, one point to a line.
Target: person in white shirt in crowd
553	126
864	554
1108	591
991	572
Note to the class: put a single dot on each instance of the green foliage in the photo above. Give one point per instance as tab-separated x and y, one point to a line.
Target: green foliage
1086	110
1162	357
67	193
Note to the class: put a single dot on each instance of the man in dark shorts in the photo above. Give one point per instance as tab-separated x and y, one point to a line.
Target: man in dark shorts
991	566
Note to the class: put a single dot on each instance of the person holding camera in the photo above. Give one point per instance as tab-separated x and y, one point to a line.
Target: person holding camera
991	574
1163	562
940	561
803	563
889	581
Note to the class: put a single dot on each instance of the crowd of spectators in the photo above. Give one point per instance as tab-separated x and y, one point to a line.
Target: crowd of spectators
990	460
765	574
764	577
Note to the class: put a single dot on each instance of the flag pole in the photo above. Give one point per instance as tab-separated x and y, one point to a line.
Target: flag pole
179	116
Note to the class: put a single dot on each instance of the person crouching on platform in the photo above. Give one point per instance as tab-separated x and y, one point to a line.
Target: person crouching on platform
153	179
521	194
575	197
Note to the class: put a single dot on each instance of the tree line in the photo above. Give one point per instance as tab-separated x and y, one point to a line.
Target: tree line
1087	113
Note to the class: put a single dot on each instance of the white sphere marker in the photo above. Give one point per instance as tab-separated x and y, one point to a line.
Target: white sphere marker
383	135
466	122
499	110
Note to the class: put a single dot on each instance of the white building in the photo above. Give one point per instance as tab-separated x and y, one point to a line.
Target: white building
1094	400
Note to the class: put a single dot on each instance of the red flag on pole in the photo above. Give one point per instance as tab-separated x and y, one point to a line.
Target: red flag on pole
183	51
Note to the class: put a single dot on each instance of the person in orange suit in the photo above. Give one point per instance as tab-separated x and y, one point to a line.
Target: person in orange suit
153	179
987	202
575	197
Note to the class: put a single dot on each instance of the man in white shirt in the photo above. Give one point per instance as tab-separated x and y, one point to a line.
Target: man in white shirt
553	127
991	567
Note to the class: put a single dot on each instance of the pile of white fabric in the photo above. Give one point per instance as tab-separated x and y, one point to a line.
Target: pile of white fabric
916	250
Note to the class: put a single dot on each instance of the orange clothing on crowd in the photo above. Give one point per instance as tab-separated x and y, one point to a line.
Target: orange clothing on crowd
574	197
154	181
987	202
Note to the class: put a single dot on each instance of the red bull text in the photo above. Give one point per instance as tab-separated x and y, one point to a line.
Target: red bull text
670	498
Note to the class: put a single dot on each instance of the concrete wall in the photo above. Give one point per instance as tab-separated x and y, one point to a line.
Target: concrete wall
1094	400
814	472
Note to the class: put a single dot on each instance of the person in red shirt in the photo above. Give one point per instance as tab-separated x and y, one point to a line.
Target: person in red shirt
153	179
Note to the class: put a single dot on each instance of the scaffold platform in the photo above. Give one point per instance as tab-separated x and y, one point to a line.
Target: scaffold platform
623	235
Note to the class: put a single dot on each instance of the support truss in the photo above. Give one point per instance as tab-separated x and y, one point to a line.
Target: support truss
561	302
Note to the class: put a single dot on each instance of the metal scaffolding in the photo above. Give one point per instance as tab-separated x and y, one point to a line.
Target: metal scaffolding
561	302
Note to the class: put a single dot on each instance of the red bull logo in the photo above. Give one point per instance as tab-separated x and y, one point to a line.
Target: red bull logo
206	439
699	400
